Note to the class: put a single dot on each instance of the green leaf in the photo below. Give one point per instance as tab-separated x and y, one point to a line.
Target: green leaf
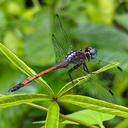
79	80
72	120
14	100
107	67
88	116
102	36
52	120
96	105
101	11
109	56
122	124
16	46
3	20
38	44
122	20
23	67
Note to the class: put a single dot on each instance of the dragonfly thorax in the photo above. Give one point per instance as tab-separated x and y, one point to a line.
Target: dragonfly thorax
80	56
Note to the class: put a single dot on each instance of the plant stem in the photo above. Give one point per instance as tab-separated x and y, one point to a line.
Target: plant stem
37	106
102	126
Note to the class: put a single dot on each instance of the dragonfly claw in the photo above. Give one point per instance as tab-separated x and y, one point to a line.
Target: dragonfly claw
14	88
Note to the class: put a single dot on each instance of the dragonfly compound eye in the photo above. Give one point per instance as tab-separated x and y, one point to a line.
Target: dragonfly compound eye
93	53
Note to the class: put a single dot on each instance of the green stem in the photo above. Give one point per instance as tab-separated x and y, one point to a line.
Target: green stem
37	106
102	126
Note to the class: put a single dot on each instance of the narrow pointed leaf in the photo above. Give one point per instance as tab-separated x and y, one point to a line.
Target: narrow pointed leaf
14	100
52	120
23	67
96	105
79	80
107	67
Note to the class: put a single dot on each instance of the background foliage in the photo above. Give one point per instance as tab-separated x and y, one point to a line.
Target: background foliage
26	29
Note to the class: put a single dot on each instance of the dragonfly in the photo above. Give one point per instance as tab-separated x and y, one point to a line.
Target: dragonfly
63	49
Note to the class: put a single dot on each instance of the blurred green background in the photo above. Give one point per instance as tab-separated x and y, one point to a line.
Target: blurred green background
26	27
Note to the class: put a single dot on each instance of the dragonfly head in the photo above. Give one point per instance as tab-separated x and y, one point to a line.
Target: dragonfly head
92	51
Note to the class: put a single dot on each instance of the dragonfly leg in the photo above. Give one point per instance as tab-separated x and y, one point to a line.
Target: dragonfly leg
85	68
72	69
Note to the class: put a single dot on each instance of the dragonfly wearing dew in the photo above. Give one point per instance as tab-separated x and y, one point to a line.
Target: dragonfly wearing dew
64	54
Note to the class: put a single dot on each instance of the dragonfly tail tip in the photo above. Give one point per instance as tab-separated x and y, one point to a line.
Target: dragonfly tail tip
14	88
118	67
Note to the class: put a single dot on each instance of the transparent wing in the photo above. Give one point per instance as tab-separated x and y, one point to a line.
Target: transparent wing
59	53
100	90
61	42
95	87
